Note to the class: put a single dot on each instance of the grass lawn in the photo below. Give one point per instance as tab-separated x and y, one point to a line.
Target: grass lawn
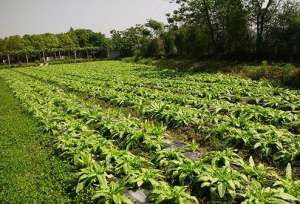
29	172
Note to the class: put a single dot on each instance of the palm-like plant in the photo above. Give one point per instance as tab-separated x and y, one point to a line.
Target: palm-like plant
153	144
83	159
258	195
168	156
222	182
187	171
94	174
112	194
225	158
163	193
134	140
193	146
127	163
153	129
258	172
145	177
289	185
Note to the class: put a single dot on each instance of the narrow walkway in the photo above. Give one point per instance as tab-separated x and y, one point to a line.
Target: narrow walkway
29	173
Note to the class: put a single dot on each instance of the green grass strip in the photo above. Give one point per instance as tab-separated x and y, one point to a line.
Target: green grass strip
29	172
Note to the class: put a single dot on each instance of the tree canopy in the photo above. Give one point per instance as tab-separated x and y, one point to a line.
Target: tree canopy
71	40
238	29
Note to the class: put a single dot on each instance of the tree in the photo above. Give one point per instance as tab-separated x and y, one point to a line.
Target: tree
83	37
198	13
14	43
130	40
282	36
65	41
156	27
224	22
261	13
28	47
2	45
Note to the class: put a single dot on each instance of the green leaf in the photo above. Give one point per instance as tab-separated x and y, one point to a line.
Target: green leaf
140	183
97	195
221	190
79	187
205	184
204	178
288	171
286	196
117	199
126	200
257	145
102	180
231	184
182	179
251	161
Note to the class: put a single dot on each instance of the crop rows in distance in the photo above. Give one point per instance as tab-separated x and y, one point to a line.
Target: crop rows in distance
118	156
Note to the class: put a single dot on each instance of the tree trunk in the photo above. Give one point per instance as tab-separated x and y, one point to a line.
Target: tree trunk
107	53
59	54
260	27
27	61
44	58
8	59
295	51
75	54
210	26
258	37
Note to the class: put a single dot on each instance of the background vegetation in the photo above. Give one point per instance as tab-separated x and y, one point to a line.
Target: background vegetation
221	30
231	29
79	43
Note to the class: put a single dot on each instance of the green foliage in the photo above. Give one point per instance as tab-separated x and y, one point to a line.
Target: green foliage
257	194
162	193
288	71
147	178
93	174
193	146
186	172
224	158
114	128
30	47
112	193
290	185
29	172
223	183
258	172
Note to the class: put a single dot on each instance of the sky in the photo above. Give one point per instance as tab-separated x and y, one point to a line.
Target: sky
19	17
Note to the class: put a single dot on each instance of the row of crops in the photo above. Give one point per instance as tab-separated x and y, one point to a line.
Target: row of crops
115	122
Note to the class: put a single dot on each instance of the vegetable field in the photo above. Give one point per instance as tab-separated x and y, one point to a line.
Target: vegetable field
136	134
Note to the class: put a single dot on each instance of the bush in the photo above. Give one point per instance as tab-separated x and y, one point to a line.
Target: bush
287	74
292	78
264	67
